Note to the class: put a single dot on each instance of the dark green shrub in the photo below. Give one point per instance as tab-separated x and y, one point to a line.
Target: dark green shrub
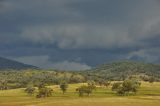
64	87
30	90
127	87
44	92
85	90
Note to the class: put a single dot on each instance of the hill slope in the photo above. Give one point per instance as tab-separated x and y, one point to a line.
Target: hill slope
123	69
11	64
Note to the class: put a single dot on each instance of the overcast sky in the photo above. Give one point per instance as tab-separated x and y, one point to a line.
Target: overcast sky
79	34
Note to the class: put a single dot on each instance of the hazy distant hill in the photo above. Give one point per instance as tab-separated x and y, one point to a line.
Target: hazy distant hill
110	71
123	69
11	64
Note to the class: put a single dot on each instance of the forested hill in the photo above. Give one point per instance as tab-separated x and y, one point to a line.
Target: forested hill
124	69
14	65
111	71
107	72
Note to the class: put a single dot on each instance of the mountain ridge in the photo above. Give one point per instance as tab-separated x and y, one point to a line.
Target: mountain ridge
9	64
119	70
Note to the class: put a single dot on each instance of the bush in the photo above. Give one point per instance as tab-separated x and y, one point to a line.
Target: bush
30	90
116	86
86	90
103	83
151	79
44	92
128	86
3	85
107	83
64	87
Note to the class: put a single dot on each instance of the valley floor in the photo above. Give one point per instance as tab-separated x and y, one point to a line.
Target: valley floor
148	95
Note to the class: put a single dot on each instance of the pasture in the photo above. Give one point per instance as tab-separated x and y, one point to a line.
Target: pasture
148	95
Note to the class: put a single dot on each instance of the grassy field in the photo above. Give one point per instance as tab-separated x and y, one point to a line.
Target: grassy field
148	95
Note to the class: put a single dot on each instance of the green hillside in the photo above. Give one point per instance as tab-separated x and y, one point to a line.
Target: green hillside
124	69
107	72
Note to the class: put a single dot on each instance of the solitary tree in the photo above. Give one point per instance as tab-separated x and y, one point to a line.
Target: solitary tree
3	85
128	86
44	92
30	90
151	79
64	87
85	90
116	86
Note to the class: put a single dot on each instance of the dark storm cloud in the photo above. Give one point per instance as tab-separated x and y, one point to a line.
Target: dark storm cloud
79	32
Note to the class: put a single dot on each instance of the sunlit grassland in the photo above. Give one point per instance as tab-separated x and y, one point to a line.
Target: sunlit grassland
148	95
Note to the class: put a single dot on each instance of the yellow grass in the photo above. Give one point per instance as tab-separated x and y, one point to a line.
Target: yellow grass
148	95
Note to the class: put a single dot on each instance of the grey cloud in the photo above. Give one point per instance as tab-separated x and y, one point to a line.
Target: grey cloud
44	62
4	6
64	30
146	55
141	23
66	65
78	36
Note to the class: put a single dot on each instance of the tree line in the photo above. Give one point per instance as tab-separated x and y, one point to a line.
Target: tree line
21	79
126	87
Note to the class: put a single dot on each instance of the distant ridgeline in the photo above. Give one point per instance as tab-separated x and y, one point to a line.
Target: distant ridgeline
124	69
7	64
110	71
106	72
